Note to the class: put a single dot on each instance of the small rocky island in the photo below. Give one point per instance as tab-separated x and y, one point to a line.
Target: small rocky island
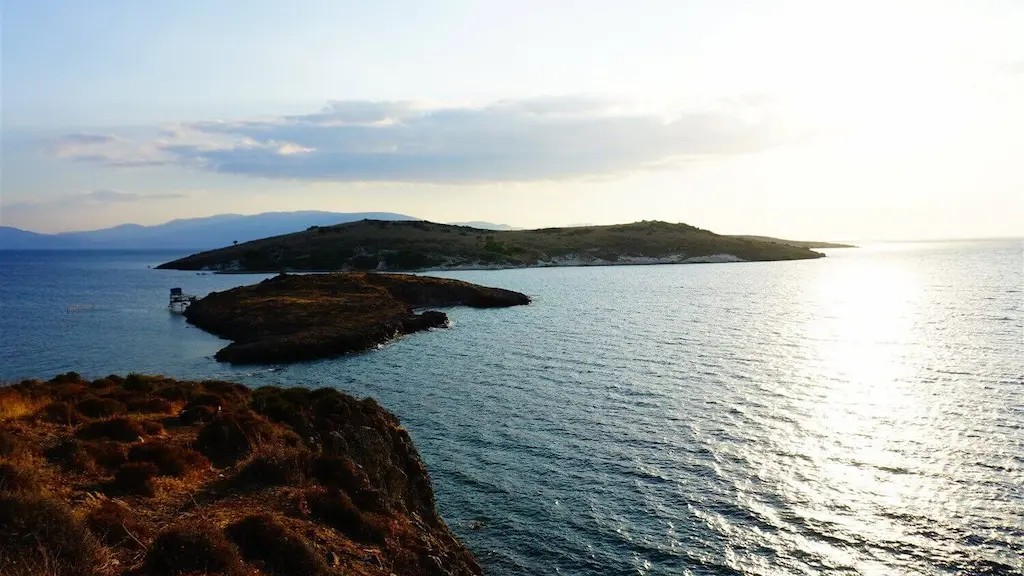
293	318
149	476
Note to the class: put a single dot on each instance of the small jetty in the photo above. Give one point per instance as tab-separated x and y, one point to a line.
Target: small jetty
180	301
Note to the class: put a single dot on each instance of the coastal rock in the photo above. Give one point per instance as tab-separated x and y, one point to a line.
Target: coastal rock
292	318
318	483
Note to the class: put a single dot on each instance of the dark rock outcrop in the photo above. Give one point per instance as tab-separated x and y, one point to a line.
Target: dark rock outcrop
292	318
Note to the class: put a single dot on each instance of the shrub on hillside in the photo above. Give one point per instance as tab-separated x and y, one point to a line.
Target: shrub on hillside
277	550
334	508
95	407
233	436
114	525
121	429
342	473
170	460
150	405
61	413
11	446
193	548
17	478
86	456
275	466
197	414
134	478
42	536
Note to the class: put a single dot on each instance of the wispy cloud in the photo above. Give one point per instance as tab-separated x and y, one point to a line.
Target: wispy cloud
95	198
401	141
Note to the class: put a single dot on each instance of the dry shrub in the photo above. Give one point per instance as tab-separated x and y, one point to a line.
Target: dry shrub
176	392
152	427
121	429
206	399
274	548
61	413
85	456
102	384
233	436
18	479
232	392
115	525
334	508
13	404
42	536
275	466
134	478
11	446
140	383
67	378
100	407
150	405
342	473
193	548
197	414
170	460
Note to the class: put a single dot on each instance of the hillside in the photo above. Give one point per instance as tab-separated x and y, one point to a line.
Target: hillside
149	476
421	245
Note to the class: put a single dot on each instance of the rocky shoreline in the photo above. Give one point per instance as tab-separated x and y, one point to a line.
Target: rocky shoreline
146	475
293	318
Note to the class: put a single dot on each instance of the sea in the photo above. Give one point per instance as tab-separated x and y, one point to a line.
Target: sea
857	414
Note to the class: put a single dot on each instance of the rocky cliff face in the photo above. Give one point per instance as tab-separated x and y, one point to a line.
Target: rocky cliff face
293	318
148	475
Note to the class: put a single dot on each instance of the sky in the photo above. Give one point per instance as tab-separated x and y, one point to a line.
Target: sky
809	119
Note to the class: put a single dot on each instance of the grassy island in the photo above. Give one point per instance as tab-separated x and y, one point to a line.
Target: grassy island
420	245
296	317
144	475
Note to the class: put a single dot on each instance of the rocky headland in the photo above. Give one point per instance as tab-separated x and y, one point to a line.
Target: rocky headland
144	475
292	318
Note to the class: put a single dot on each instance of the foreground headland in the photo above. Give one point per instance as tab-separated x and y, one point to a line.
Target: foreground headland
419	245
297	317
152	476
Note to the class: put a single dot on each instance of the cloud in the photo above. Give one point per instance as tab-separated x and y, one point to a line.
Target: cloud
95	198
402	141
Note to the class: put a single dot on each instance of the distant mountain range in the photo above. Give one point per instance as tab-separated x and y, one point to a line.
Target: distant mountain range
186	234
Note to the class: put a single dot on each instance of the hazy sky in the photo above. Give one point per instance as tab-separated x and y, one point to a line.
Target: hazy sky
816	119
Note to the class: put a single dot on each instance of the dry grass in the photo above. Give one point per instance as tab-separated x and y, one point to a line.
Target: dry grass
14	405
275	482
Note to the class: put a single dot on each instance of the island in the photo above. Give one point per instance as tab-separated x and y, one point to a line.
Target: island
420	246
297	317
151	476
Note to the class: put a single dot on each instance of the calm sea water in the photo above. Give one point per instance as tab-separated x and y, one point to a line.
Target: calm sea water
860	414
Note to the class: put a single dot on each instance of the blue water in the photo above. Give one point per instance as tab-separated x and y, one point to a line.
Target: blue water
859	414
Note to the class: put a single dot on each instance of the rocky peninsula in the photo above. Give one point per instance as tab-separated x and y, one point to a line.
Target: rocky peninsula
420	245
145	475
292	318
